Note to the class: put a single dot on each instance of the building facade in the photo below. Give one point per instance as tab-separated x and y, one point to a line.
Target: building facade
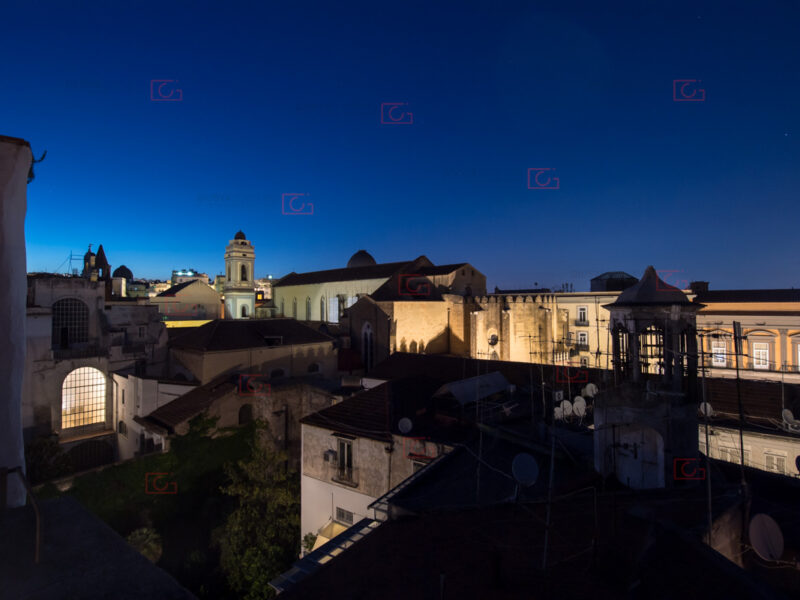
239	287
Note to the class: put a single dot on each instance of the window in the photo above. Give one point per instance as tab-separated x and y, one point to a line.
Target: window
308	309
583	338
123	396
70	323
141	332
122	429
367	347
718	358
313	368
775	462
83	398
244	311
283	312
244	273
583	314
294	308
333	309
584	362
229	272
322	309
245	414
344	516
760	355
344	468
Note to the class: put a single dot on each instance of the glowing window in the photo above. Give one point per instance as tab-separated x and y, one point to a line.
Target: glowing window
83	398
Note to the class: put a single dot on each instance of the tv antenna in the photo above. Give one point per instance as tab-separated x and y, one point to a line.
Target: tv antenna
766	537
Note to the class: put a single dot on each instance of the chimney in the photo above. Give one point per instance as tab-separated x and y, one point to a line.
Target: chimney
698	287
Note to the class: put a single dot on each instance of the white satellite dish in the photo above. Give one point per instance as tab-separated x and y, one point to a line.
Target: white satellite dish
558	413
589	390
566	408
789	420
525	469
405	425
797	462
766	537
579	406
706	410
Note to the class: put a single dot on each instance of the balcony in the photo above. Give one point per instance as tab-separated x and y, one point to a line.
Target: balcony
345	475
581	323
582	347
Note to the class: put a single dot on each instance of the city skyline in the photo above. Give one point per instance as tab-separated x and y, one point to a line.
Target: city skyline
671	134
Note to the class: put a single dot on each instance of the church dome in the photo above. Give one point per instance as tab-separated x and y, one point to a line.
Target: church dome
362	258
123	271
240	235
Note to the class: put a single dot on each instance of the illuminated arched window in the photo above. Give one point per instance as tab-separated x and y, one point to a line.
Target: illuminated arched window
70	323
294	308
322	309
83	398
244	273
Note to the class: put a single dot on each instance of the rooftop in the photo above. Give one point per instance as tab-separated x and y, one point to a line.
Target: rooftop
237	334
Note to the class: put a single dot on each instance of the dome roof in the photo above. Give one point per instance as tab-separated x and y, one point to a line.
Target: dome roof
240	235
122	271
651	289
362	258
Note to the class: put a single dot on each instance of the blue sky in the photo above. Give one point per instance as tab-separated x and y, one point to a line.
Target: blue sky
281	98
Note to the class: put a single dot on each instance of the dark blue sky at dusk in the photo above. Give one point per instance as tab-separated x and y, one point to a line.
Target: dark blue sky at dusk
286	98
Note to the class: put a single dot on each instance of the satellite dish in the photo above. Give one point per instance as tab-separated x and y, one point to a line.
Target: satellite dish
706	409
405	425
788	416
766	537
579	406
566	408
525	469
797	463
589	390
558	413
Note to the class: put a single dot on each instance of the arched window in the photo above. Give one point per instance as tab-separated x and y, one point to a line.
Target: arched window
245	414
308	309
294	308
367	347
244	273
70	323
322	309
283	312
229	272
122	428
275	373
244	311
83	398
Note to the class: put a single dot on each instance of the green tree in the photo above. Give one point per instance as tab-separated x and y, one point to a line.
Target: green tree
46	460
262	534
147	542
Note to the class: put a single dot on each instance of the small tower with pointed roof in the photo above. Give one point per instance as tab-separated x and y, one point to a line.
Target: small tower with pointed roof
646	423
239	287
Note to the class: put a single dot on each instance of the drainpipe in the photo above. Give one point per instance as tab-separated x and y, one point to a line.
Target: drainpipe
389	451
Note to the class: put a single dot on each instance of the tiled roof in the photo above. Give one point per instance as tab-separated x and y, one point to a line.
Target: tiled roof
441	269
194	402
790	295
354	273
237	334
374	413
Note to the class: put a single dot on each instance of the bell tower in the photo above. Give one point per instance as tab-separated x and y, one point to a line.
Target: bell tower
646	424
239	287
